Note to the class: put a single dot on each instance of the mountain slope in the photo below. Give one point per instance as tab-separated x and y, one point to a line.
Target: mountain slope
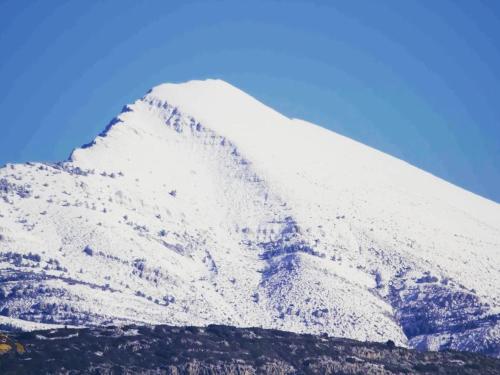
199	205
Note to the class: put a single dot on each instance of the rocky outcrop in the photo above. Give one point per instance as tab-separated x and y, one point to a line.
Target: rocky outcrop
222	350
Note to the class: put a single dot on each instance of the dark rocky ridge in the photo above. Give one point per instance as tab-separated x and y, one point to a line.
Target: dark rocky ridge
222	350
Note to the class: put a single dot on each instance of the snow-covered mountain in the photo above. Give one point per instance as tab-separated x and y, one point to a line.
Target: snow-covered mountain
198	204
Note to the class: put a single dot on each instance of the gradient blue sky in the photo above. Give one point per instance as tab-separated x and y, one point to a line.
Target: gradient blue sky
417	79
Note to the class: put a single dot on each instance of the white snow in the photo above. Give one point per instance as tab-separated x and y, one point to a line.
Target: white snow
202	205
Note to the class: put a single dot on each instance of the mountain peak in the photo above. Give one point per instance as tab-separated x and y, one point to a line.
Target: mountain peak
212	103
215	102
201	95
168	88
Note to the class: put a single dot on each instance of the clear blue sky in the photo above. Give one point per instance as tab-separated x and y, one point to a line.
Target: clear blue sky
417	79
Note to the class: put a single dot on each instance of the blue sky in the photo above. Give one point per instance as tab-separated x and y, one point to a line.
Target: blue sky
417	79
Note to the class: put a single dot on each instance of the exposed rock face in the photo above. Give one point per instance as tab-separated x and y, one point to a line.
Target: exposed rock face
223	350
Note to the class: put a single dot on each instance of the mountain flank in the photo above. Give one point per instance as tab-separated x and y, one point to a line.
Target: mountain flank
200	205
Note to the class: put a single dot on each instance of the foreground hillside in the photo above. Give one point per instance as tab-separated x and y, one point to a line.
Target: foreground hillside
200	205
221	350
